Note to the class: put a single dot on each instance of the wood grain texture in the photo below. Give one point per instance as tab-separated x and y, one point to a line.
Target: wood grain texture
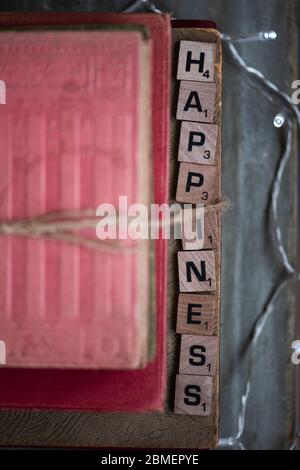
196	61
193	395
193	237
203	431
195	314
196	101
198	355
196	184
197	271
197	142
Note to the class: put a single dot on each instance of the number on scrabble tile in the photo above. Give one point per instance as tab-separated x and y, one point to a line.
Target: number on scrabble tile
195	314
211	235
197	271
196	102
193	395
198	355
196	61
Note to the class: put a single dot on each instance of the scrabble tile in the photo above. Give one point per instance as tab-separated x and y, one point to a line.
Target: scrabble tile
196	183
197	143
211	236
196	61
197	271
194	237
195	314
192	234
193	395
196	101
198	355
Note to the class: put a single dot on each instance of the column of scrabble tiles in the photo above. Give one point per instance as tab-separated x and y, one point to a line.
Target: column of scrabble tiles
196	263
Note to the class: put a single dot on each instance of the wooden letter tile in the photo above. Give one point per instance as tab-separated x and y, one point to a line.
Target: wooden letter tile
196	101
196	61
193	227
211	235
197	271
196	183
197	142
193	237
195	314
198	355
193	395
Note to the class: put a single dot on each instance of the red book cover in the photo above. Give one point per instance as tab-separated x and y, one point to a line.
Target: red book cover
70	139
137	390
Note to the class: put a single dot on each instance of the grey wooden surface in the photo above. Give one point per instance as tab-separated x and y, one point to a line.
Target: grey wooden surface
251	148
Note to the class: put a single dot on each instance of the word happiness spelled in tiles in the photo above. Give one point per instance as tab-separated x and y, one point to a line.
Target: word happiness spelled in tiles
197	183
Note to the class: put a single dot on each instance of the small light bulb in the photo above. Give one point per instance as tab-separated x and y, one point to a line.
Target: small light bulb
270	35
278	120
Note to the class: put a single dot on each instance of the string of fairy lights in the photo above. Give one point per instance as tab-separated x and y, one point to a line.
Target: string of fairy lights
284	120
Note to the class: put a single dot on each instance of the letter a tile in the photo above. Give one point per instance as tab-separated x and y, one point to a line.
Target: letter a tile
196	102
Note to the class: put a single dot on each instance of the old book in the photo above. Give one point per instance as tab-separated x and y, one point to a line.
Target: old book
82	389
140	389
75	133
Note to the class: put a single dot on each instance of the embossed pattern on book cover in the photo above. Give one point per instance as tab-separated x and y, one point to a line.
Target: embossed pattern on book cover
69	139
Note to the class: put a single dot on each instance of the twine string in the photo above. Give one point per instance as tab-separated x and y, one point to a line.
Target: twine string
63	226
